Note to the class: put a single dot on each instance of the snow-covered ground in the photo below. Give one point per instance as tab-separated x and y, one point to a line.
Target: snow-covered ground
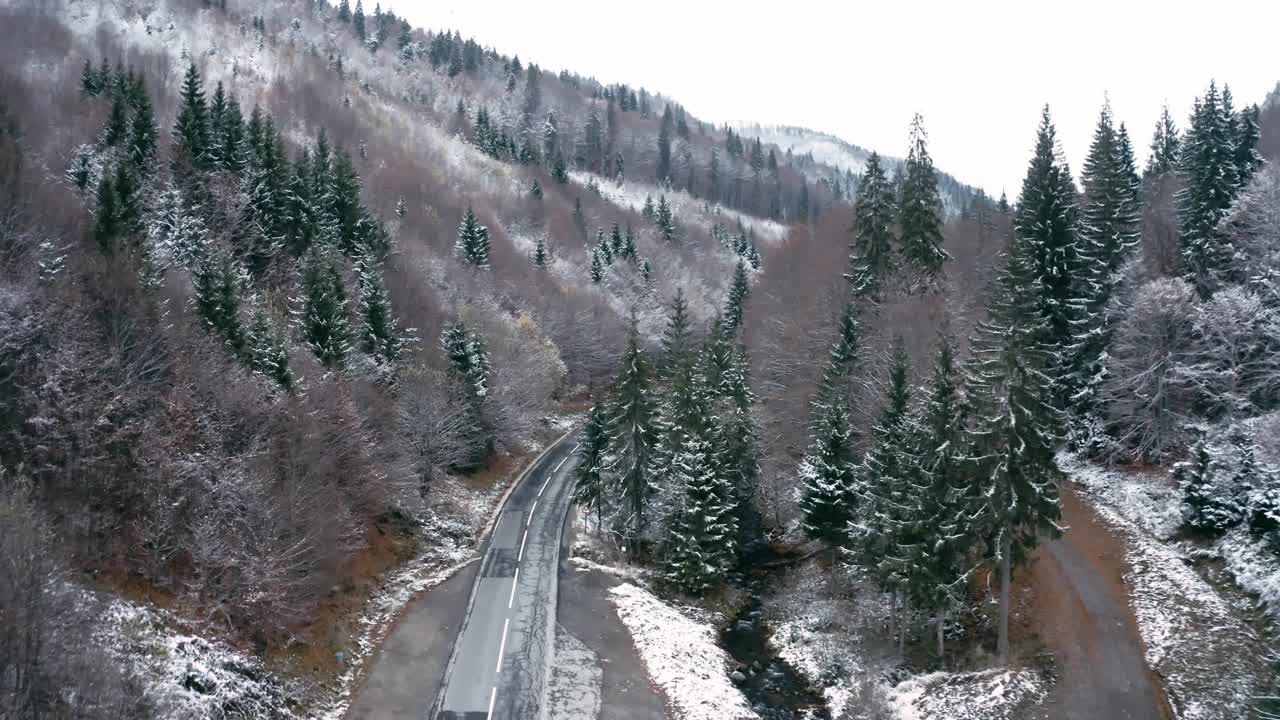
1210	660
987	695
681	656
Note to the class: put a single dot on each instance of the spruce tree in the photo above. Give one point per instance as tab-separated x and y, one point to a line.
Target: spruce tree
701	545
191	131
89	80
1247	136
266	349
106	226
217	297
665	220
604	247
828	474
589	482
1211	180
142	132
920	210
1013	434
871	259
615	241
540	255
117	128
676	340
380	334
1165	146
740	434
647	211
1205	508
736	298
326	312
632	438
597	269
473	241
837	373
1046	243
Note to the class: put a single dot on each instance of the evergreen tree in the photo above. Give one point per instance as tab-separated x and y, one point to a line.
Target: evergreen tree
380	334
871	258
89	83
266	350
473	241
128	206
535	190
217	297
598	272
357	20
540	255
740	434
632	438
920	210
1248	133
1205	507
326	313
1211	176
735	299
647	211
1013	435
604	247
117	127
628	244
589	483
701	545
142	132
615	241
664	147
1047	250
665	220
106	227
344	10
838	371
1165	146
828	474
676	340
191	132
268	189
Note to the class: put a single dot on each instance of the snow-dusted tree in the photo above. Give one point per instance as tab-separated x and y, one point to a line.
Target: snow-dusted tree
143	133
920	210
837	374
541	257
326	311
117	127
632	437
1233	361
648	210
701	545
677	345
598	265
871	257
628	244
177	233
380	333
1013	435
828	474
469	375
191	132
473	241
1165	147
589	482
1145	395
266	349
604	247
740	435
665	220
1211	179
736	299
217	284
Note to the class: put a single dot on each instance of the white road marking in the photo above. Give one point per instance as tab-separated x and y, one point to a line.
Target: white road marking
502	649
493	695
514	579
521	555
535	507
575	447
562	461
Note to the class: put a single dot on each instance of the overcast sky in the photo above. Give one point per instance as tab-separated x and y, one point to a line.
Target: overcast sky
979	72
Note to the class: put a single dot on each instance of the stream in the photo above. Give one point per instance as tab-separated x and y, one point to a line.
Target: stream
775	690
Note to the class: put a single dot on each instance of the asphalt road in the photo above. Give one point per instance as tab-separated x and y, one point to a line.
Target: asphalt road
502	657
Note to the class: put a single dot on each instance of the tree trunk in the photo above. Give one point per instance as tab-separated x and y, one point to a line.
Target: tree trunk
902	627
942	621
1002	641
893	614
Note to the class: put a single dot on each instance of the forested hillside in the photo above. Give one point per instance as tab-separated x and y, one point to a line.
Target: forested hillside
289	291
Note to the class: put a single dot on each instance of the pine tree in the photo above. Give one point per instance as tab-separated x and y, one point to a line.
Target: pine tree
597	270
664	148
143	133
191	132
702	543
676	340
647	212
828	474
838	371
540	255
1211	176
1248	133
117	127
266	350
89	83
628	244
380	335
884	532
741	442
603	247
589	482
871	258
326	312
357	20
735	299
645	268
665	220
1047	248
1205	507
106	226
1165	147
615	241
473	241
1013	435
217	297
632	438
920	210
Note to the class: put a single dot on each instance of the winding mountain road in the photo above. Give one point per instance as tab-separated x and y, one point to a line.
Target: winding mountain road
503	653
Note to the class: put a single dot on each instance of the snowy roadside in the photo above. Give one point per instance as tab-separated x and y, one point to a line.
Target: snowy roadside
1209	658
986	695
681	656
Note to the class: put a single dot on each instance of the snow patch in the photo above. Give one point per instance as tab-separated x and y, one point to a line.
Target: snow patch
682	657
986	695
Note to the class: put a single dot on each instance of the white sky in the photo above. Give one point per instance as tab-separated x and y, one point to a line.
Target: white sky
979	72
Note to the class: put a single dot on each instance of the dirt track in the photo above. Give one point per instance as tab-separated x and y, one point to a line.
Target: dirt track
1081	608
